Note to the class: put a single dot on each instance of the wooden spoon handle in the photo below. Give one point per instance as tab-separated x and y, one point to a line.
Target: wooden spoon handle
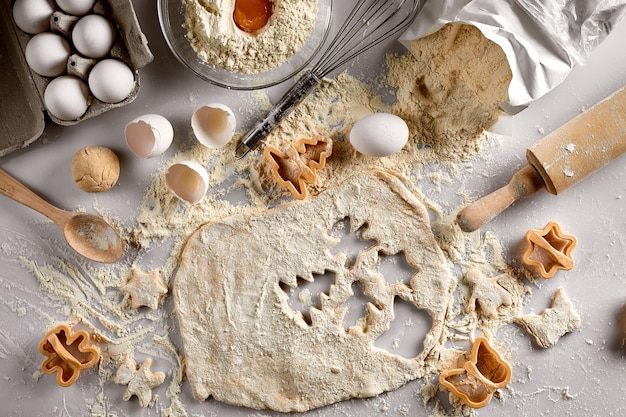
17	191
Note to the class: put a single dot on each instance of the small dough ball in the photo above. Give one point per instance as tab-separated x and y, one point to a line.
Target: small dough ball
95	169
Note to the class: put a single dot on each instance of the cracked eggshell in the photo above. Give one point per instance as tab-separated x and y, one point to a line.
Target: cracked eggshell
187	180
149	135
213	125
379	134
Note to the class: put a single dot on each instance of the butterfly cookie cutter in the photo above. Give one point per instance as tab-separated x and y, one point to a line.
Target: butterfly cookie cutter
67	353
480	377
296	166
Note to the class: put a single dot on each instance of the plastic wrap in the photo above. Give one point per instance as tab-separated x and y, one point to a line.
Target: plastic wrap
542	39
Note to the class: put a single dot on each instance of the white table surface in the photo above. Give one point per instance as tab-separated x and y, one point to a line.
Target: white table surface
583	375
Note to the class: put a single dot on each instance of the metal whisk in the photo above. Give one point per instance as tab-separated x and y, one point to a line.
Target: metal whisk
368	24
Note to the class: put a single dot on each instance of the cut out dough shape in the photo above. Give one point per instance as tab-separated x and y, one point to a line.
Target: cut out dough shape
487	293
140	380
243	343
145	289
554	322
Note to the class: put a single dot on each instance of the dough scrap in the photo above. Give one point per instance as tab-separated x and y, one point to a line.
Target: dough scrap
144	289
554	322
246	346
487	293
140	380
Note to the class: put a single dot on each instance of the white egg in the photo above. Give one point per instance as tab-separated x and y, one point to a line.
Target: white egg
76	7
111	81
33	16
47	54
187	180
67	97
379	134
149	135
93	36
213	125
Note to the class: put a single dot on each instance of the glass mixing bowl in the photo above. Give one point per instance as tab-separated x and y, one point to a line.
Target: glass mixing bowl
172	17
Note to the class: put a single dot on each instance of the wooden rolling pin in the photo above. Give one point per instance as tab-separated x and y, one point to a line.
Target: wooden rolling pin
561	159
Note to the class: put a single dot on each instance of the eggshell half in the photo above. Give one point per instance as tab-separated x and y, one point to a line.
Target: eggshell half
213	125
187	180
149	135
379	134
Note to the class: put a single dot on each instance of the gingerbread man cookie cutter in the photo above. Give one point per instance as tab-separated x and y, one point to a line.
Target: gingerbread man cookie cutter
67	353
480	377
549	249
297	166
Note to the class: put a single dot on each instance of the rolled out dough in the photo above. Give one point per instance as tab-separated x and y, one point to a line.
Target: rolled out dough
243	342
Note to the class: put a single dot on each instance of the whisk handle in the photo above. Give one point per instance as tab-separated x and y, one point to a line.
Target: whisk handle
294	96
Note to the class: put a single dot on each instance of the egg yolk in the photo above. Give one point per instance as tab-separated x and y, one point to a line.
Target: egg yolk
252	15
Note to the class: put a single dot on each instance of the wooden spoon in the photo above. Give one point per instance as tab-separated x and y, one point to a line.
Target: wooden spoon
89	235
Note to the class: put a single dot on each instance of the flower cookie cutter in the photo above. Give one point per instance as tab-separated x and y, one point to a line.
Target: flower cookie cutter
67	353
297	165
482	375
549	249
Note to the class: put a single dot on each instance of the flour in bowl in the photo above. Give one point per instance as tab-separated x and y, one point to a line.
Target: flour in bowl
218	41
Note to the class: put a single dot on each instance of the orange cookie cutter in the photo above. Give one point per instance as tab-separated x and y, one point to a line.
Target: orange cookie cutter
67	353
549	249
480	377
297	166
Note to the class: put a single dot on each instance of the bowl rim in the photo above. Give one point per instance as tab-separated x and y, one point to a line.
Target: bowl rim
165	24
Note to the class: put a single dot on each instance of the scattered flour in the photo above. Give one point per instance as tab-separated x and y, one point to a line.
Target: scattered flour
450	88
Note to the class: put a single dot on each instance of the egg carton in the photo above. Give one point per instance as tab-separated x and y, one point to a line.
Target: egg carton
23	116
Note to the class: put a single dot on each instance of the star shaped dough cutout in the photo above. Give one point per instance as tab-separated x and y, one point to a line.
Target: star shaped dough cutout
487	293
145	288
140	379
554	322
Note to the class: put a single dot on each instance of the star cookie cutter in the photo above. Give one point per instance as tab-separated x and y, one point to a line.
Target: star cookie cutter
480	377
296	166
549	249
67	353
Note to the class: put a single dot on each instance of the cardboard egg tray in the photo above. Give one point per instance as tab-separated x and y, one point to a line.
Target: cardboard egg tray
22	111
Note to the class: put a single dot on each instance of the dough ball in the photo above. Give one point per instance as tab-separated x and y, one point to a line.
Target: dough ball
95	169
